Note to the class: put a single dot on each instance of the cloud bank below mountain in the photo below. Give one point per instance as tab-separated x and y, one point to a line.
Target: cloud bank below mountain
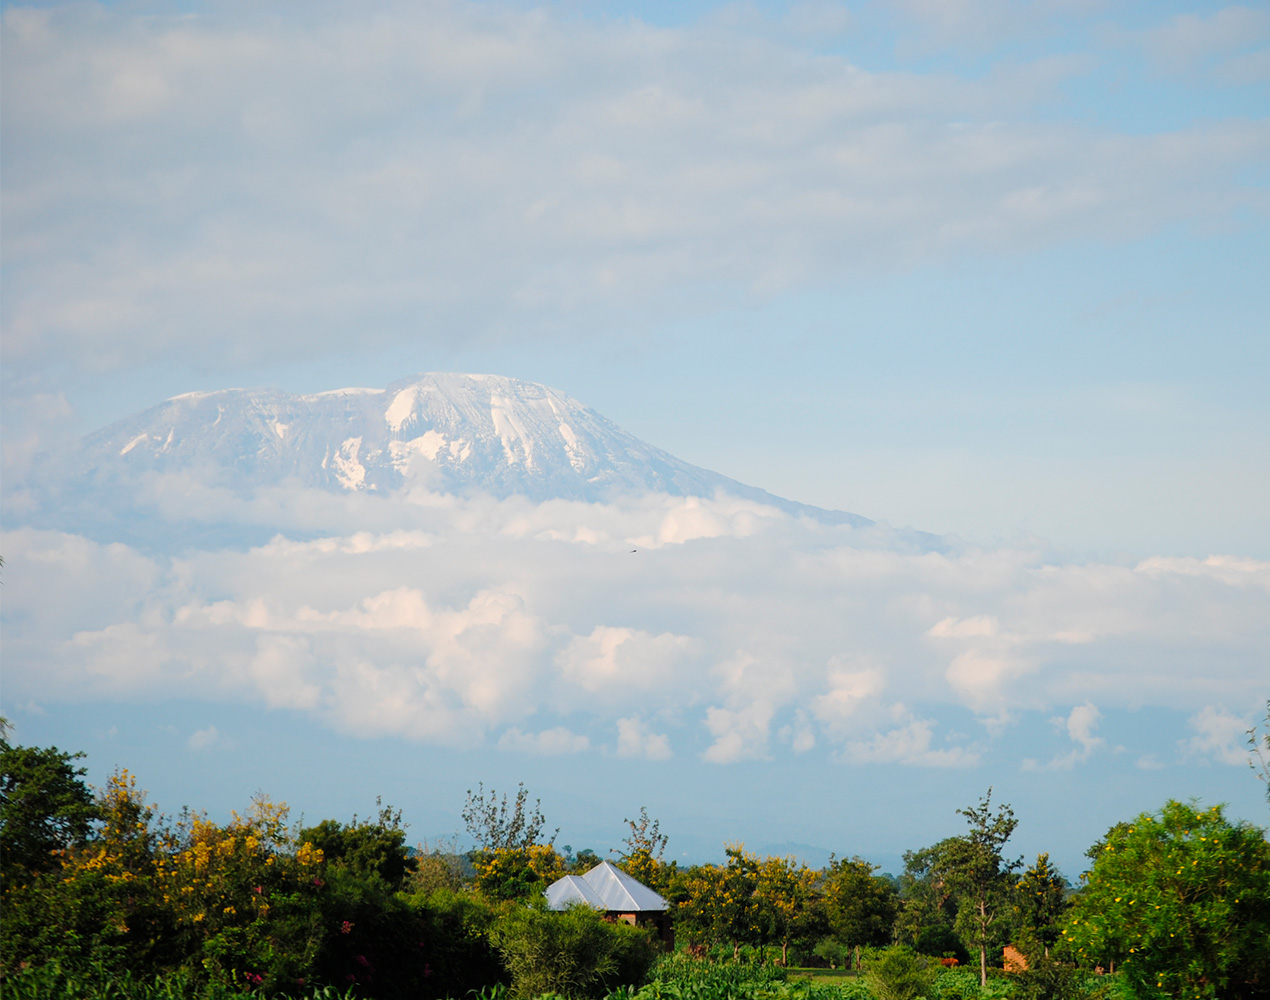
656	626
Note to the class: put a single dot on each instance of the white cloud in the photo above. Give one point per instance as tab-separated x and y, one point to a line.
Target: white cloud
376	168
612	660
1079	724
1218	734
848	691
635	739
203	739
911	744
549	742
469	619
1188	41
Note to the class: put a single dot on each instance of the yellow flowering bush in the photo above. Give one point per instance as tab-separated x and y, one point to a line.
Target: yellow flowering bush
517	872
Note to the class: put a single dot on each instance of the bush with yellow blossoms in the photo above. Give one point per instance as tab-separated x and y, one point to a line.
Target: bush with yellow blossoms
517	872
243	898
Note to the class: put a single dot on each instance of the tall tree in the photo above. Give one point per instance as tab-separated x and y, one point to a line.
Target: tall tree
979	876
784	888
1040	900
928	908
861	906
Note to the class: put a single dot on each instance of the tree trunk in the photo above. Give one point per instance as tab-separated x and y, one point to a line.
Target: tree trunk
983	943
857	959
785	953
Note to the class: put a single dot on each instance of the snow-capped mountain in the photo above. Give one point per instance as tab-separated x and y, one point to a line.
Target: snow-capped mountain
448	433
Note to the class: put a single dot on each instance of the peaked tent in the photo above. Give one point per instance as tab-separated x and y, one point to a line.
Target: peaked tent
606	887
572	890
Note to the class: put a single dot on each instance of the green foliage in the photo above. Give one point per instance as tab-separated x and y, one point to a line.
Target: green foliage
1048	980
45	809
784	889
1040	900
928	909
368	848
833	951
958	984
979	877
439	867
517	872
644	847
575	953
1181	900
53	982
454	945
861	907
899	973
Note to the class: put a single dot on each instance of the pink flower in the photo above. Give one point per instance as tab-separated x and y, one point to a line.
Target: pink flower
345	927
361	960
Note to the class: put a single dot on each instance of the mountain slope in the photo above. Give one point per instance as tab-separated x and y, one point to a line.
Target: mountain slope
449	433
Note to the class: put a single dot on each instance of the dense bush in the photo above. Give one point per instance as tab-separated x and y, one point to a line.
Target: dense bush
899	974
575	953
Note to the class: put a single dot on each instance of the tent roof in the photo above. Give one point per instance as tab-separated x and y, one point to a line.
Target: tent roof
606	887
572	890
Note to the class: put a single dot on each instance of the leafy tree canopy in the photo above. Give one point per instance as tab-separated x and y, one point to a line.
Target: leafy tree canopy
368	847
1182	899
45	807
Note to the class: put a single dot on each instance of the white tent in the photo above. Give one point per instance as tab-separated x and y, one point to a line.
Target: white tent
608	888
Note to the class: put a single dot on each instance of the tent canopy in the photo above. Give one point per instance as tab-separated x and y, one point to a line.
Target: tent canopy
606	887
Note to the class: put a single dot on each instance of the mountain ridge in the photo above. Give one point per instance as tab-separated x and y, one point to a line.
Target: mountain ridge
449	432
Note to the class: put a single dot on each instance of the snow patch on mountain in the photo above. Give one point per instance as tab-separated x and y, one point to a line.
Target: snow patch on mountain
434	434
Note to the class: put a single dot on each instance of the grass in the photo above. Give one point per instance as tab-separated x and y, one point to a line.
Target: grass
821	976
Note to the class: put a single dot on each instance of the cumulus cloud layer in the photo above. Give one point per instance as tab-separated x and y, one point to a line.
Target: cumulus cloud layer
538	629
223	186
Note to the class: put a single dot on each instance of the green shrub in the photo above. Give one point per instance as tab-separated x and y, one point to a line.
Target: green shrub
899	974
833	951
957	984
576	953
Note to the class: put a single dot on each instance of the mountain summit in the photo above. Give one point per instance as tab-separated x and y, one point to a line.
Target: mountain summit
448	433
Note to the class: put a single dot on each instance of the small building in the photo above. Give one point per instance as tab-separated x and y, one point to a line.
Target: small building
609	889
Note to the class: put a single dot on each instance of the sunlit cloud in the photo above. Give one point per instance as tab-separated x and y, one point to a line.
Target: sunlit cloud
468	627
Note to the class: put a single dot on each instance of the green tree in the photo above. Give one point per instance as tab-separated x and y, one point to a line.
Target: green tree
785	889
1181	898
1040	900
928	908
369	848
45	809
979	877
861	906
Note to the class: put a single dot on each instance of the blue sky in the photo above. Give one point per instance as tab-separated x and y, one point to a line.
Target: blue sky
984	268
